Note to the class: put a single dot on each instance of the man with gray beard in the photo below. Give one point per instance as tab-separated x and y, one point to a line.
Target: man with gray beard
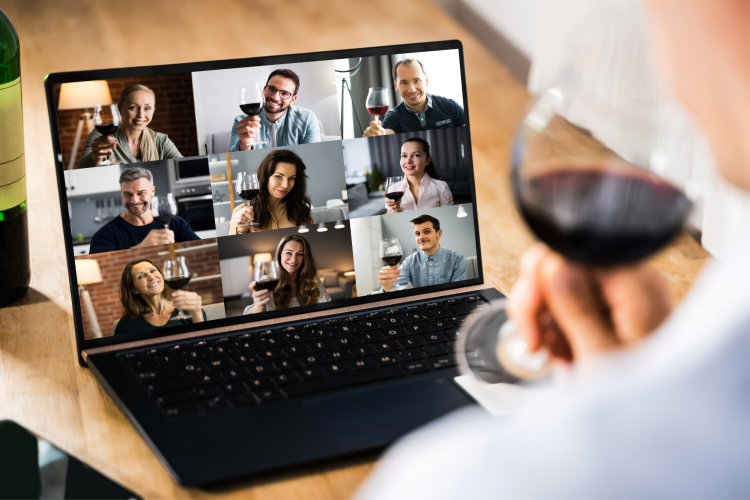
136	226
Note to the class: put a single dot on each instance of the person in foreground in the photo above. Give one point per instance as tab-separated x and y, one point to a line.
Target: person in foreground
133	142
282	200
420	110
280	123
431	265
654	403
423	187
299	284
148	303
136	226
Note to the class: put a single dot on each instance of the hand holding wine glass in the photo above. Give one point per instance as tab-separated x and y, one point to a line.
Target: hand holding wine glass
391	253
252	102
247	187
395	188
177	277
377	105
107	120
265	280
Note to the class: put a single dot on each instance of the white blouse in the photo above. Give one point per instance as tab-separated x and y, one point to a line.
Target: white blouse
432	193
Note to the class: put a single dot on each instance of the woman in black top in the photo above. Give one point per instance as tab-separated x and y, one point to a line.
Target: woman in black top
148	303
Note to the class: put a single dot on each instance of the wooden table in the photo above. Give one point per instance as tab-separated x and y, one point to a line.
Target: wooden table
41	385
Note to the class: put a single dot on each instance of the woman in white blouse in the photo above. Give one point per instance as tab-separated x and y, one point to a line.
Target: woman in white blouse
423	187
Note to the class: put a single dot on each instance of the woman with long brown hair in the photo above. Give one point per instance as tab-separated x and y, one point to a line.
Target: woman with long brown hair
299	284
133	142
148	303
282	200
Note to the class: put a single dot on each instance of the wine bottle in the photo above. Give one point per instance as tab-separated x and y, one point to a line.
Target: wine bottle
15	272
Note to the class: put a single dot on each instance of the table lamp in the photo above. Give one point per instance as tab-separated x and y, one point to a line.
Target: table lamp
461	212
258	257
82	95
87	272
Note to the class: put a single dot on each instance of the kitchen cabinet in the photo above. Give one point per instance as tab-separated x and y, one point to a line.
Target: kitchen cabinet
93	180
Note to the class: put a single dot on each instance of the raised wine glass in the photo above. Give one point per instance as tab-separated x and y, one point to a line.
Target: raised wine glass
377	102
584	176
394	188
247	188
266	275
391	253
252	101
107	120
177	277
164	209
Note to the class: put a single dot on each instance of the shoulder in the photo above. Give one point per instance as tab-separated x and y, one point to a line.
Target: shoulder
299	112
127	325
445	101
410	259
160	138
453	255
113	226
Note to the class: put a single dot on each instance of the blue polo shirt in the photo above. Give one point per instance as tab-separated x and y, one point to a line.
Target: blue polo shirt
119	234
441	112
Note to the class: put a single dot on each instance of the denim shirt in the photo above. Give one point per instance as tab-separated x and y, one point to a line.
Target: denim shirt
440	112
296	126
445	266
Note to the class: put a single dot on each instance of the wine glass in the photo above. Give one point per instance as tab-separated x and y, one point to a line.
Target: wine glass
377	102
107	120
391	253
247	188
584	177
266	275
394	188
164	209
177	277
252	101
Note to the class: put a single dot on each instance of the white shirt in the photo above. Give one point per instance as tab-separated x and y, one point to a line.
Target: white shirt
669	418
432	193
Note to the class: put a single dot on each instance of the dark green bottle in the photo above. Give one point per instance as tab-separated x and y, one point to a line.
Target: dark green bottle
15	272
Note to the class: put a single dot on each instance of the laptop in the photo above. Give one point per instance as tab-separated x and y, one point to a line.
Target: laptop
271	258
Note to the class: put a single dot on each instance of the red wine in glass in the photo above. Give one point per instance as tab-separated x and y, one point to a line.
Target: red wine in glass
106	128
252	109
249	194
107	119
247	187
395	195
377	111
178	283
377	102
599	217
164	218
392	260
176	277
266	284
164	209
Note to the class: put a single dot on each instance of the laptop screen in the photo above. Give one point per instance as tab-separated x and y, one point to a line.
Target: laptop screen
226	192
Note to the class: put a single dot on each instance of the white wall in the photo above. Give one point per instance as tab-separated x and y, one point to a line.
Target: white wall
356	155
516	20
218	104
235	276
366	235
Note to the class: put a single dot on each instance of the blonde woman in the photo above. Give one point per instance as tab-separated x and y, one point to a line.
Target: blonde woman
133	142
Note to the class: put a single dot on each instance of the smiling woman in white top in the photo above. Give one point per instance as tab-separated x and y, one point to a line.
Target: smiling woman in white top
423	187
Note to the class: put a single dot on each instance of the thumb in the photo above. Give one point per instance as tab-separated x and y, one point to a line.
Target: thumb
576	304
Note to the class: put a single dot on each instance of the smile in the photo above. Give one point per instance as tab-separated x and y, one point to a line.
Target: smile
291	264
412	95
139	122
281	191
154	284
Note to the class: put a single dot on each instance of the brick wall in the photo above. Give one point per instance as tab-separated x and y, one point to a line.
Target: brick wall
105	296
174	114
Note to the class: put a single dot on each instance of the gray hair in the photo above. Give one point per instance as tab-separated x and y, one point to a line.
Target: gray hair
135	173
407	62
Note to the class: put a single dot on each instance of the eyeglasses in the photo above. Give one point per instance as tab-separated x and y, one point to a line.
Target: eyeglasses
270	91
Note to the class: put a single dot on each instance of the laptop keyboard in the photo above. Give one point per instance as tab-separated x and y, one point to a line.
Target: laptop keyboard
255	367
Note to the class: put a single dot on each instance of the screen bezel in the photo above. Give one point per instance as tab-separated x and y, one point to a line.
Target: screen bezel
140	71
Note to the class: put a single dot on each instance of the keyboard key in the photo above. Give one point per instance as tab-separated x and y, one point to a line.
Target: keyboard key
352	319
416	317
156	374
320	345
209	378
374	314
369	337
294	337
410	341
435	349
203	392
177	348
345	328
180	410
312	372
140	363
261	368
418	328
464	308
215	403
457	319
235	374
416	366
452	333
221	340
440	324
246	336
394	320
338	355
201	344
444	361
288	329
272	341
313	359
173	398
330	322
193	368
411	354
219	363
438	312
362	350
337	368
248	345
243	359
154	352
387	345
433	337
269	354
430	305
286	378
266	333
232	388
370	324
259	383
321	333
363	363
240	399
386	359
392	333
312	326
293	350
358	377
414	308
166	385
269	394
220	350
287	364
395	310
194	354
472	298
450	302
345	341
132	355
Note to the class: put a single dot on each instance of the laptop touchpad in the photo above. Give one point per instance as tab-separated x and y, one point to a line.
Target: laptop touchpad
368	417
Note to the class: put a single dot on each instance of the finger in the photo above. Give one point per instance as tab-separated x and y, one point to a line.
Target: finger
575	301
526	302
638	298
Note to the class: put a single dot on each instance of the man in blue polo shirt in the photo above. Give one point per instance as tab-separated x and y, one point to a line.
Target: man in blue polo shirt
136	227
420	110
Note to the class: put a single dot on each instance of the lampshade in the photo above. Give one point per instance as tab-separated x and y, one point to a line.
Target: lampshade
349	273
79	95
303	229
262	257
339	225
461	212
88	272
322	228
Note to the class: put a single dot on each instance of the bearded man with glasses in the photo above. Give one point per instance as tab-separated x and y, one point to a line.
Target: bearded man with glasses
280	124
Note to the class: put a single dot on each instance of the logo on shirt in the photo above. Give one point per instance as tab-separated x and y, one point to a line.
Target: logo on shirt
444	122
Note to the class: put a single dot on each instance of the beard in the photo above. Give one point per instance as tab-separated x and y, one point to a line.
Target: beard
133	208
279	110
